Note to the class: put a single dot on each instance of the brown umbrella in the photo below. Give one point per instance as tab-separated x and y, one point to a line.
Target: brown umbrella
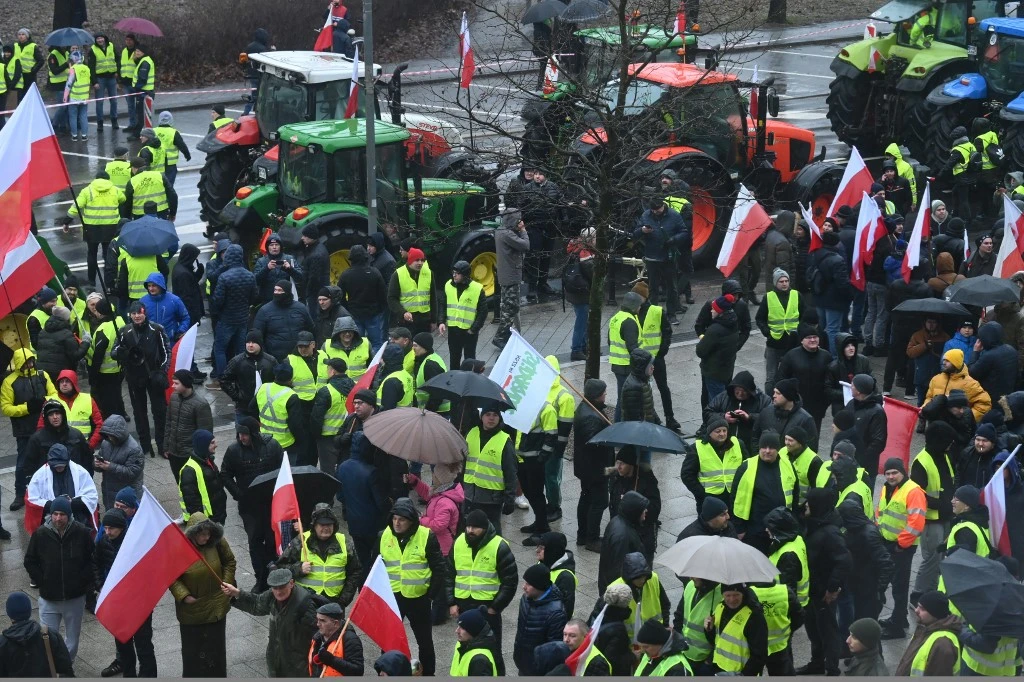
416	435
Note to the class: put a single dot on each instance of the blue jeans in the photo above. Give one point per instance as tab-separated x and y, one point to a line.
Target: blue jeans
171	172
372	328
107	88
857	314
877	315
252	83
714	387
228	341
579	327
60	120
830	320
78	118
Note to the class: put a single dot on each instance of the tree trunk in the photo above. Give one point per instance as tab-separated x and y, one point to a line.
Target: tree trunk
777	12
593	369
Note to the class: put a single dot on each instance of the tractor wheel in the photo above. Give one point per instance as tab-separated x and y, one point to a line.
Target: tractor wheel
847	99
220	178
940	136
819	195
1013	145
711	201
483	263
341	236
917	134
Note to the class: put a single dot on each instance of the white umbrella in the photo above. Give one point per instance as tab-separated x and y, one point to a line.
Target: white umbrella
723	560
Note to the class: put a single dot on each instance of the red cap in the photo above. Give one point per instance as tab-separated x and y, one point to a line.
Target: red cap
415	254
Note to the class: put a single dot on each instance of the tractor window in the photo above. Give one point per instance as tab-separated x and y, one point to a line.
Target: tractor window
332	100
303	175
641	95
350	176
710	119
1002	64
952	23
279	102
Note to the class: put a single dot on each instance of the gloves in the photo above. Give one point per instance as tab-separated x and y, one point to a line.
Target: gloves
508	508
35	406
316	659
87	338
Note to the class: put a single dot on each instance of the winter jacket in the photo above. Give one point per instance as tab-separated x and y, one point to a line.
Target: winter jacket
235	289
944	654
945	274
508	575
874	272
755	633
185	279
58	349
363	287
836	273
614	642
165	309
866	664
875	567
811	371
540	620
978	264
280	323
239	378
940	439
740	307
717	348
801	254
189	486
942	384
316	270
95	418
621	537
844	369
778	252
644	482
292	624
442	515
689	472
963	343
394	664
726	402
211	605
143	351
125	460
872	428
777	419
41	441
965	539
351	664
668	231
23	652
479	315
243	464
925	349
590	460
993	367
267	277
61	564
479	666
676	644
829	562
786	341
1010	316
637	398
974	467
325	319
586	260
296	554
23	393
511	246
322	401
260	43
185	416
104	555
359	490
768	493
544	205
383	261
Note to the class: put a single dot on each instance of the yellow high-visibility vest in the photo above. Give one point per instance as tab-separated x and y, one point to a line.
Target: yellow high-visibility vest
618	353
933	484
106	60
476	577
356	360
120	172
422	397
415	294
53	77
328	575
148	185
461	309
127	65
483	467
744	491
920	662
201	482
650	330
408	387
166	136
139	270
80	88
304	382
783	320
732	651
334	418
272	401
798	547
650	605
150	83
717	473
407	568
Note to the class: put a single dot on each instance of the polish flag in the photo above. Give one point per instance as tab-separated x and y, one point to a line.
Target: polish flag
814	228
366	380
874	59
182	354
468	66
753	94
153	555
577	658
325	39
749	221
967	245
284	507
679	26
1009	260
856	180
353	88
550	76
922	231
869	230
24	272
376	611
994	497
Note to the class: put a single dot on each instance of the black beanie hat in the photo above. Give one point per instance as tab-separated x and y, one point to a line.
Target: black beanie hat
627	455
969	495
477	519
844	419
115	518
769	439
473	621
935	603
185	377
895	463
424	340
712	507
254	336
653	632
797	433
715	421
538	576
789	388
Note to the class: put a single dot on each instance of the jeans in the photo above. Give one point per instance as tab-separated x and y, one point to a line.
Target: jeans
932	540
51	613
830	321
579	327
228	341
252	83
877	315
590	509
772	358
140	646
107	88
20	482
78	118
372	328
714	387
135	106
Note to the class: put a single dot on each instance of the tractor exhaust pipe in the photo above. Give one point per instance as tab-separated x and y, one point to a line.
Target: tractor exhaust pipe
395	93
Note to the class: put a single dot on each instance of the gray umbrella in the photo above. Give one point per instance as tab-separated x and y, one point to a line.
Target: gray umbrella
543	10
68	37
579	11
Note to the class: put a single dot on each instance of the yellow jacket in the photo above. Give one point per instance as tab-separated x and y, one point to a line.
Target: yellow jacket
7	405
942	384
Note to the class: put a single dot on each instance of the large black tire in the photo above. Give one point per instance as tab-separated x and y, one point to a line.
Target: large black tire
940	135
711	198
483	261
1013	145
817	194
916	134
220	178
847	98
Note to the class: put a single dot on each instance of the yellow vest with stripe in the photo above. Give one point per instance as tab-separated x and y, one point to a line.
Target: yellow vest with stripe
744	492
677	203
334	418
461	309
109	329
775	602
127	65
717	473
933	486
460	662
799	547
327	577
966	150
139	270
422	397
158	156
201	482
408	387
664	665
150	78
920	662
892	513
483	467
694	615
650	331
356	360
783	320
983	544
618	354
1000	663
80	414
559	571
272	401
40	316
120	173
987	139
148	185
26	54
80	88
3	83
864	492
12	68
802	466
477	577
650	604
407	568
905	170
56	78
731	648
304	382
166	136
209	286
97	209
415	294
106	60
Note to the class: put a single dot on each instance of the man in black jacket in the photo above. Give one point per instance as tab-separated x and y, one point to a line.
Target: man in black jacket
327	413
461	339
875	567
260	43
739	306
239	378
364	406
808	364
274	266
364	294
233	289
629	476
739	405
144	353
621	537
786	410
316	268
543	211
328	310
589	464
714	519
780	335
871	423
56	430
185	278
59	560
991	361
23	653
281	320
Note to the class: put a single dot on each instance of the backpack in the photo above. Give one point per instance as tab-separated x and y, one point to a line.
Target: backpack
573	281
818	280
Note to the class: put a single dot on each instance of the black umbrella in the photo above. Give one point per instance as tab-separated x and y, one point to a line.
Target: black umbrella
312	487
579	11
69	37
543	10
457	384
983	290
642	435
933	306
988	597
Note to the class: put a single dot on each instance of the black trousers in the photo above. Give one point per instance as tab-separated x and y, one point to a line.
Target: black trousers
139	394
261	545
903	558
780	664
590	509
138	648
531	477
204	649
364	550
662	277
417	610
684	268
92	261
661	381
176	463
896	362
461	344
106	389
823	631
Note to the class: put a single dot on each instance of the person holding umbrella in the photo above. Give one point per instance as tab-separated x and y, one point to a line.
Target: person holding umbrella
738	632
490	477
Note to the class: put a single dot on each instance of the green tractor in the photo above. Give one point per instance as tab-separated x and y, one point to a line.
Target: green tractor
321	181
878	94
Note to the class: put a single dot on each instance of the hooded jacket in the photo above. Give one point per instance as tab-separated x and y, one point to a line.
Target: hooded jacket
382	260
267	277
622	536
95	418
875	567
189	486
717	348
644	482
945	274
676	644
294	556
740	307
405	507
359	490
963	343
590	460
124	457
235	290
239	378
872	427
541	620
362	286
442	514
242	464
394	663
614	642
811	371
316	270
511	247
57	347
942	384
23	652
260	43
939	441
944	654
292	623
726	402
325	319
211	604
866	664
41	441
99	190
280	322
637	398
993	366
844	369
828	560
185	416
778	251
508	574
833	266
185	278
23	393
165	308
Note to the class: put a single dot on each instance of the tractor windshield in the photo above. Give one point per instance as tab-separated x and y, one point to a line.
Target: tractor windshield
350	174
1002	64
279	102
710	118
952	21
641	95
303	175
332	100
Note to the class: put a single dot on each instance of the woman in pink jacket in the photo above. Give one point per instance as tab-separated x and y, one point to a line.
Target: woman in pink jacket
444	499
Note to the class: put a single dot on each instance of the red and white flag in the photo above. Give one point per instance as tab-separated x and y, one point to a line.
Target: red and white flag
874	59
153	555
284	507
900	419
325	39
182	354
24	272
749	221
376	611
366	380
353	88
550	76
468	66
679	25
577	659
1009	260
753	94
814	228
922	231
869	230
856	180
994	497
967	245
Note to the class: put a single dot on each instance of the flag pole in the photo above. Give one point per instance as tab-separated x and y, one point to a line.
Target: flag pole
584	398
302	543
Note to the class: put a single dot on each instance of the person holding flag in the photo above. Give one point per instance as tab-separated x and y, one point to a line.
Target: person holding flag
323	560
579	637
